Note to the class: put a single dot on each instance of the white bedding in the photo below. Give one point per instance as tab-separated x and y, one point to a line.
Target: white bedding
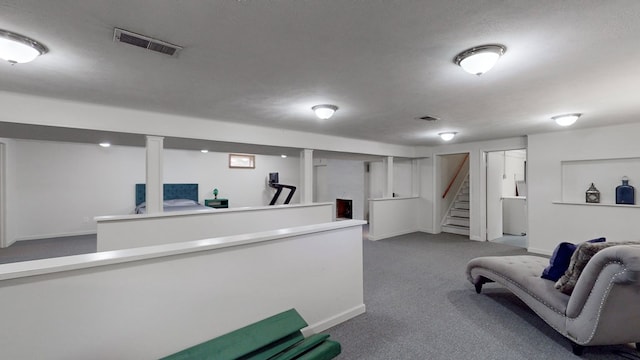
176	205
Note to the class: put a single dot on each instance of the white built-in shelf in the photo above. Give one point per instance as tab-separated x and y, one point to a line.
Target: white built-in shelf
594	204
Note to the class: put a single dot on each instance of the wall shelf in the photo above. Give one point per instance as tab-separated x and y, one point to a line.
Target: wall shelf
606	174
594	204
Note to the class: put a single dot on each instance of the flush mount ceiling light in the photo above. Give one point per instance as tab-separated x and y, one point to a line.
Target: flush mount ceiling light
283	156
324	111
16	48
204	151
105	144
480	59
566	120
446	136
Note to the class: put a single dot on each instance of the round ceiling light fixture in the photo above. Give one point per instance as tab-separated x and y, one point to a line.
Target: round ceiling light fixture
16	48
566	120
324	111
480	59
105	144
446	136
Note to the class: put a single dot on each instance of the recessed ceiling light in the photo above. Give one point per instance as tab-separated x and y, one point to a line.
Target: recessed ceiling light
566	120
204	151
16	48
480	59
105	144
446	136
324	111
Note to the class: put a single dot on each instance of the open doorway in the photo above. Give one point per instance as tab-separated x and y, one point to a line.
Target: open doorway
506	197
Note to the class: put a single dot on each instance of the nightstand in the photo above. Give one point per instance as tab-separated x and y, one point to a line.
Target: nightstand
217	203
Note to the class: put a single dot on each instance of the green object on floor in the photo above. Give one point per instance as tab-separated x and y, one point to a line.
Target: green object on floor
276	338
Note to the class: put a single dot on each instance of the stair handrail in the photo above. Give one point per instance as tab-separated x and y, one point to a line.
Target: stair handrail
455	176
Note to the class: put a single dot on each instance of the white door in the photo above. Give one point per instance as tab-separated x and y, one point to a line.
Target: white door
495	171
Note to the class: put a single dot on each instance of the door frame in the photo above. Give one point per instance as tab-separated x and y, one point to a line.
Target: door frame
483	185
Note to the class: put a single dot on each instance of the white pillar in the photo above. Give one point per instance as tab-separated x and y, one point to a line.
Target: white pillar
306	176
154	191
3	197
388	167
415	177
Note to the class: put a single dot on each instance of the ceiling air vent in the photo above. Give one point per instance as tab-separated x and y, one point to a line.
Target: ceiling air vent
131	38
428	118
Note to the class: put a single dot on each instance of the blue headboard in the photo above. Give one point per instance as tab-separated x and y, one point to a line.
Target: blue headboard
170	192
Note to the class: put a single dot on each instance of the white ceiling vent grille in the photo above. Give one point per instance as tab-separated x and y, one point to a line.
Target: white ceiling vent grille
131	38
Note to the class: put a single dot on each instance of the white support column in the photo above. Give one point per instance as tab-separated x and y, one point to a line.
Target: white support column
3	197
306	176
388	167
154	191
415	177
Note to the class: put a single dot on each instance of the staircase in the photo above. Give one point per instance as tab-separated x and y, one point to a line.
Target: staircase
457	220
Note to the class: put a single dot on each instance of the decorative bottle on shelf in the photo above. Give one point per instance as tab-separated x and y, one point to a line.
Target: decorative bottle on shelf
625	193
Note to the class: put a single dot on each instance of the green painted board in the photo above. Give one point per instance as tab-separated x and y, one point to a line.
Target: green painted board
325	351
283	329
301	347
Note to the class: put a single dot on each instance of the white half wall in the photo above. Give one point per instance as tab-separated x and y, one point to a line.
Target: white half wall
390	217
150	302
130	231
550	220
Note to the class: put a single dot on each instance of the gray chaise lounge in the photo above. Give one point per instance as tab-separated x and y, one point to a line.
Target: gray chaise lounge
604	308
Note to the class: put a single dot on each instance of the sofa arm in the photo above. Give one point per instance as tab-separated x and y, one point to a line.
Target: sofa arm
614	265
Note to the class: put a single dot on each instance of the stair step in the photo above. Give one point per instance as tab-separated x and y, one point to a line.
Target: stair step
455	220
462	213
455	229
462	197
461	205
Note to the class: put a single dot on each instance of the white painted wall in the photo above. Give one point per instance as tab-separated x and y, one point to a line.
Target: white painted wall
551	223
114	232
390	217
514	163
341	179
56	189
115	305
402	178
426	201
10	192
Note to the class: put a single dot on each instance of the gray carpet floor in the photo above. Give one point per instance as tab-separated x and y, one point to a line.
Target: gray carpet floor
48	248
513	240
421	306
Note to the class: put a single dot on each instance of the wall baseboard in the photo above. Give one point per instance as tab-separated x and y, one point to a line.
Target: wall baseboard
475	238
427	230
334	320
398	233
48	236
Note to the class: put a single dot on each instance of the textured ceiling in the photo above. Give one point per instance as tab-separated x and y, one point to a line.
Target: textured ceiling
383	62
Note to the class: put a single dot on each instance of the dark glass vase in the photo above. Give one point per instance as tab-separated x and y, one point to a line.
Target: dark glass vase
625	193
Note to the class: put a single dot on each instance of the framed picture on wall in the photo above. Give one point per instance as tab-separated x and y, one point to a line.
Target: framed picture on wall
242	161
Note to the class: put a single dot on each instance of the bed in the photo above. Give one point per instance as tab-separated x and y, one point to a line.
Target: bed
176	197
